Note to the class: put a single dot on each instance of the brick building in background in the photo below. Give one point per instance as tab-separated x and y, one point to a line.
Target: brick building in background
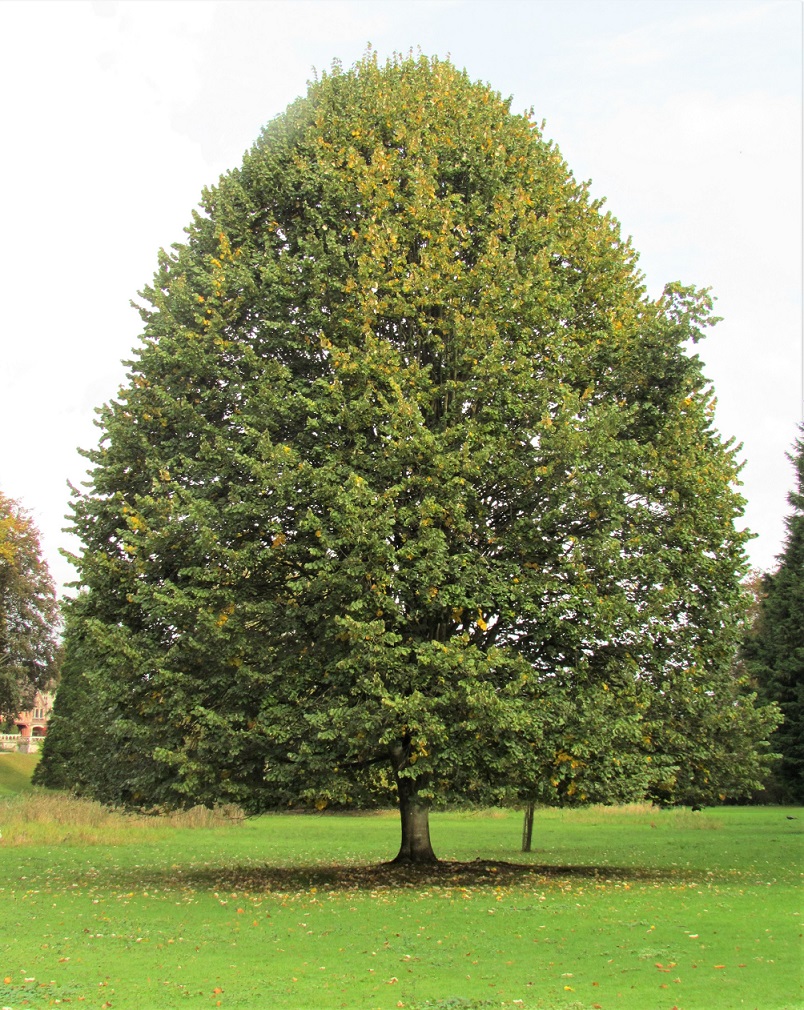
31	725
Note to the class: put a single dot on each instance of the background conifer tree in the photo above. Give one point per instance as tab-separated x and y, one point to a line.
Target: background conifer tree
774	647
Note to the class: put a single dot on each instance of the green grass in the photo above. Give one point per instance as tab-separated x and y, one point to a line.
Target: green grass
15	772
628	909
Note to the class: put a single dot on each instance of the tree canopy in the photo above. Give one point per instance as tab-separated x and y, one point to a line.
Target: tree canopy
774	646
412	489
28	612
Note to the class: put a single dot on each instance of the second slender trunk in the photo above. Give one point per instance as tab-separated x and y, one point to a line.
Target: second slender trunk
527	828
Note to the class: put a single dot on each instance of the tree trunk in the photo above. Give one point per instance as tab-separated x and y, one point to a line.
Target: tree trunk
415	816
527	828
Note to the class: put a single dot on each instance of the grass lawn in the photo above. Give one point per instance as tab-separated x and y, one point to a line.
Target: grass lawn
631	908
15	772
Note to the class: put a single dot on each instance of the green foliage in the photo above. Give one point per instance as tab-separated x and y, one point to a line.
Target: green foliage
774	646
411	483
28	612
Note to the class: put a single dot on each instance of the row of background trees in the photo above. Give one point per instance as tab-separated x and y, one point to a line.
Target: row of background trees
412	492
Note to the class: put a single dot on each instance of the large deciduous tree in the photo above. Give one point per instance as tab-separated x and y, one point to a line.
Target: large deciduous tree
774	646
29	621
412	486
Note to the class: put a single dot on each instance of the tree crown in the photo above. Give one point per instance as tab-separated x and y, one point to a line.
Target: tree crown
410	469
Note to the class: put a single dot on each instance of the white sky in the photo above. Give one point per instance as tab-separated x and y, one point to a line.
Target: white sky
685	114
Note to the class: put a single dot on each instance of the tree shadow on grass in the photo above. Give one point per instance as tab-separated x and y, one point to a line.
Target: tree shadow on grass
447	874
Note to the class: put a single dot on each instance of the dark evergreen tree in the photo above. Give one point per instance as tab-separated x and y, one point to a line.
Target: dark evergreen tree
774	647
84	751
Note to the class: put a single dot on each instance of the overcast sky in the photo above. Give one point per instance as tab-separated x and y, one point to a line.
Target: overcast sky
685	114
